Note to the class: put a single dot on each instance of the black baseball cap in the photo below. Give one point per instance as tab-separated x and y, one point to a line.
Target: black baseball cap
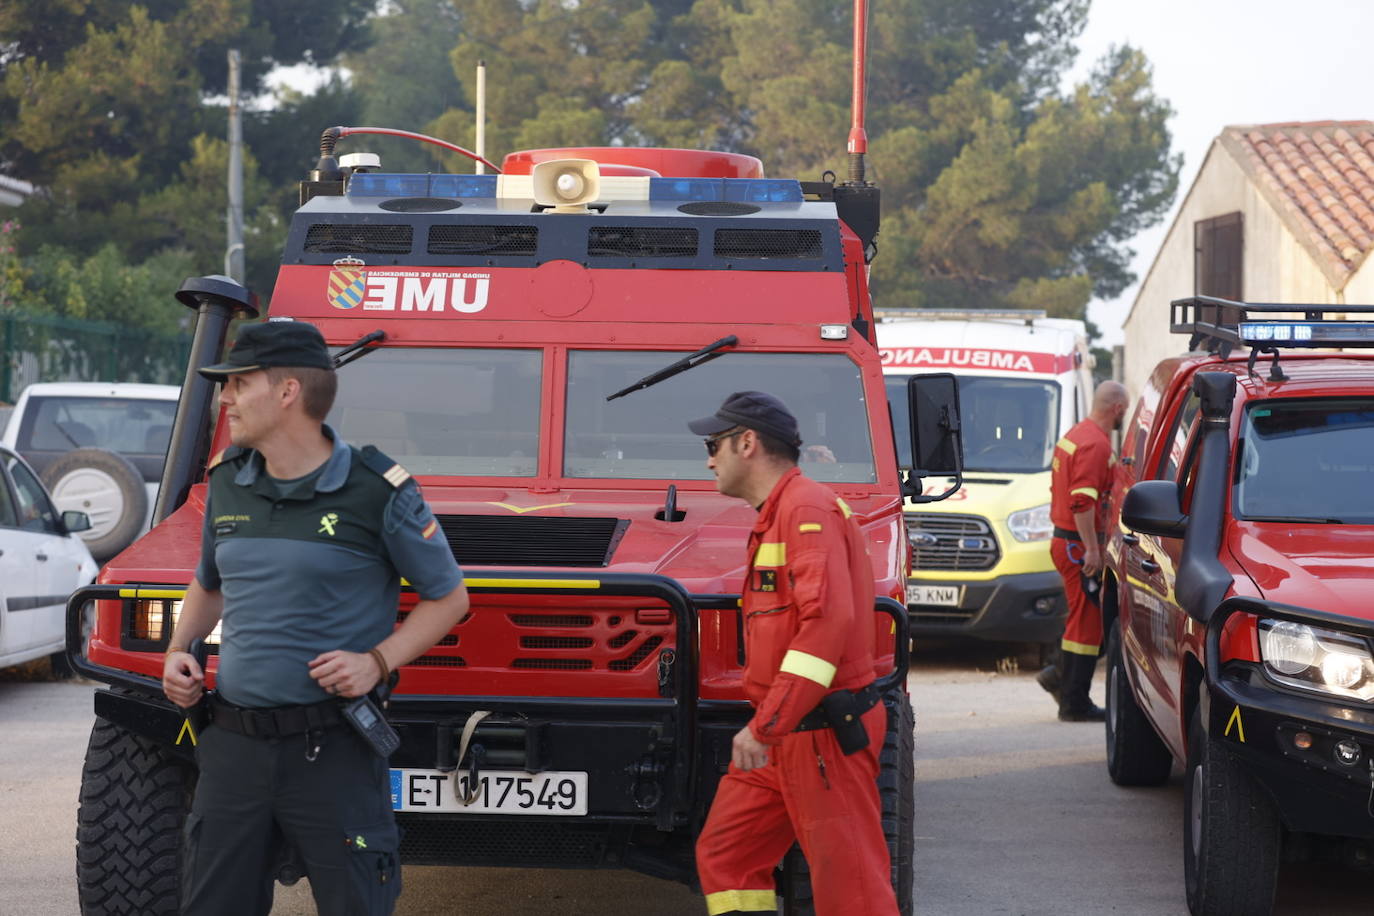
273	344
755	410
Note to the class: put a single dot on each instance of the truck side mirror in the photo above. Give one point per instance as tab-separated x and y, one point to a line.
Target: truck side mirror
75	521
1154	507
937	445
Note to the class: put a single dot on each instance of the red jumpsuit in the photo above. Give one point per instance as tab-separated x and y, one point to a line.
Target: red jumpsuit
809	630
1079	481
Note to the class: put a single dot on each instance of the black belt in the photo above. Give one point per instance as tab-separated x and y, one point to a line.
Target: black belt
1067	535
274	721
868	697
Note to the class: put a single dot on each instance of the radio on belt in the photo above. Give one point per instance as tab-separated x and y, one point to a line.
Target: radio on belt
367	721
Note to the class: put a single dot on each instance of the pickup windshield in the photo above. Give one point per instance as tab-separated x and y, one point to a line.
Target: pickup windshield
1307	460
644	435
1010	425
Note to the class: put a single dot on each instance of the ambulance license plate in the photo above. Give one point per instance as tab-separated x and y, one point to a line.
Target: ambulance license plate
942	595
498	792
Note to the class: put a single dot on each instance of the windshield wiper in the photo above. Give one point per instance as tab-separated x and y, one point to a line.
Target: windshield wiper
358	348
704	355
1292	518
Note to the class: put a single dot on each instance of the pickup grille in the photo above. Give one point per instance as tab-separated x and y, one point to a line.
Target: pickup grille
964	543
500	540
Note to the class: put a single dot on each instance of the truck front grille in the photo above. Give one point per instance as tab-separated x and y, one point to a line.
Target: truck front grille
964	543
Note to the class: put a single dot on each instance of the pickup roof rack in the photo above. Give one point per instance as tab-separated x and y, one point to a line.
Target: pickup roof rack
1219	325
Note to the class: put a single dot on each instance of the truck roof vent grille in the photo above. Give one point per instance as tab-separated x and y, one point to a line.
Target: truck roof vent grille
358	238
791	244
718	208
641	242
500	540
497	239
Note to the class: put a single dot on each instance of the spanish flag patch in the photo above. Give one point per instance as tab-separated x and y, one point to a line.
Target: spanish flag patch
432	527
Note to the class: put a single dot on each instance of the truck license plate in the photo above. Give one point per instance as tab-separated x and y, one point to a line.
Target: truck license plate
498	792
944	595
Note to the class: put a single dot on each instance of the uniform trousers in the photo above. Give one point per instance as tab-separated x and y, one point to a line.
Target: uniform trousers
834	813
1083	626
256	794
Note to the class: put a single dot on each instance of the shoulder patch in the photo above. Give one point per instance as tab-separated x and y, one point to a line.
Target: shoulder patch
228	454
384	467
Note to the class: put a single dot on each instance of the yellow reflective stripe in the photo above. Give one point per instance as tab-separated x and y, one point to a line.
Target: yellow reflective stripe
1067	444
1091	491
771	555
1078	648
527	583
152	593
808	666
725	901
844	507
809	526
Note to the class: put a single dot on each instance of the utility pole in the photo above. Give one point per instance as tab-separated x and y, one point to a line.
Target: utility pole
233	252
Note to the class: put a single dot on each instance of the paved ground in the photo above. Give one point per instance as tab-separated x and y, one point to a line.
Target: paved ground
1015	816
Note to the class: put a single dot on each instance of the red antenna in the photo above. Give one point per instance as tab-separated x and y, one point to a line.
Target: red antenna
858	137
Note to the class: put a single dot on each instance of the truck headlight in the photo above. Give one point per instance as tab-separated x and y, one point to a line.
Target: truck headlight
154	619
1031	524
1315	658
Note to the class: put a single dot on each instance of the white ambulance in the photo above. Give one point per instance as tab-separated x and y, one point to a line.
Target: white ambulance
982	557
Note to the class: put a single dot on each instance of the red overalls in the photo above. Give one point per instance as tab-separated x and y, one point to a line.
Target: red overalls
808	609
1079	481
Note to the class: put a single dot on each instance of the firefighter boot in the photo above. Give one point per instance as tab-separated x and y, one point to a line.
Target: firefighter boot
1074	703
1051	677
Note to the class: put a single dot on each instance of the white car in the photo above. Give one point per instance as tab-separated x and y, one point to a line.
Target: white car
99	447
42	561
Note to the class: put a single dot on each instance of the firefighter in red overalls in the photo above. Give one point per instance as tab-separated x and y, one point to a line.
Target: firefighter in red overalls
805	767
1079	481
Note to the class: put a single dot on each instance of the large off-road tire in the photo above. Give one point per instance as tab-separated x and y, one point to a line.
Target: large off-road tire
134	799
108	488
1231	833
897	791
1135	754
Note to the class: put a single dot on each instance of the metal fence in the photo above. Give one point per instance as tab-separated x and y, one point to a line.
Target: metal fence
48	348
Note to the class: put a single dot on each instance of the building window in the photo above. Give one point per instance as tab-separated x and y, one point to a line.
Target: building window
1218	244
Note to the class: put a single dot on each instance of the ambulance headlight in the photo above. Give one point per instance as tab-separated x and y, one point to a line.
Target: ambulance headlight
1317	659
1031	524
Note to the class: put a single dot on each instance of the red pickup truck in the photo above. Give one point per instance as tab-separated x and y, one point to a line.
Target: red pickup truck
1240	568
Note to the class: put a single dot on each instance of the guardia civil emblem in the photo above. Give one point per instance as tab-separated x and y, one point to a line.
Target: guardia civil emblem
347	283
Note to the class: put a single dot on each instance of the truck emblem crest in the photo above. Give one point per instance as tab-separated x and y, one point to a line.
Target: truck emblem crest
347	284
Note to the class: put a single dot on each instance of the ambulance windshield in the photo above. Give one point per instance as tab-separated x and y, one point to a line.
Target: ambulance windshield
1010	425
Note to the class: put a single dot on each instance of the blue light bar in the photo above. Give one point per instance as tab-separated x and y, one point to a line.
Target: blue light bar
1308	333
394	184
744	190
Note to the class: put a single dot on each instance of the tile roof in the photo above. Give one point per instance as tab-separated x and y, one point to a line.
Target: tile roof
1319	176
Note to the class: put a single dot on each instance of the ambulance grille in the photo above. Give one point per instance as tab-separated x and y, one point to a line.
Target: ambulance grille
522	540
494	240
358	238
641	242
791	244
965	543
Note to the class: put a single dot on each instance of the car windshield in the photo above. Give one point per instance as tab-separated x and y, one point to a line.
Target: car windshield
645	435
1307	460
131	426
463	412
1009	424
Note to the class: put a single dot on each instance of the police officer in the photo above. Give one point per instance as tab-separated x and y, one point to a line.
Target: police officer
1080	479
304	542
798	772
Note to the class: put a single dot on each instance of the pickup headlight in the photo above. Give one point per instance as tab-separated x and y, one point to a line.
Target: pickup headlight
1031	524
1315	658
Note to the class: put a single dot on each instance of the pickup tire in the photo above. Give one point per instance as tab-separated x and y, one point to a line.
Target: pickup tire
108	488
897	792
1231	833
134	799
1135	754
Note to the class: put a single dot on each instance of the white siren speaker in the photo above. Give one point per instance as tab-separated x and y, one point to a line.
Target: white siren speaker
566	185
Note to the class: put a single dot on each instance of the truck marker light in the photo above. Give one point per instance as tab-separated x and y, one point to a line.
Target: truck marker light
834	332
1347	752
1302	741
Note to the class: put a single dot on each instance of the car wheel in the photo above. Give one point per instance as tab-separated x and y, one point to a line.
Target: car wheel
134	799
1231	833
897	792
108	488
1135	754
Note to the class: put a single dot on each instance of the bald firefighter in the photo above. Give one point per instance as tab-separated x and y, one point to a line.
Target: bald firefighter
1080	480
805	767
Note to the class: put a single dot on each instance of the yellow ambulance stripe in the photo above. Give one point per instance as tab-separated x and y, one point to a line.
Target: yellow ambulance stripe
809	526
1067	445
746	901
771	555
808	666
1078	648
1090	491
844	507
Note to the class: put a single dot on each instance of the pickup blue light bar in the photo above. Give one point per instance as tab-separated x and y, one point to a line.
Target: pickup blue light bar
394	184
741	190
1307	333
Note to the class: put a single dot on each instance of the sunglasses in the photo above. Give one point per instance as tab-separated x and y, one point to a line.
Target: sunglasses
713	444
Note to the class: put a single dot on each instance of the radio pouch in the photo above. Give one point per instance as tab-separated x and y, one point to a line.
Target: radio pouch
842	710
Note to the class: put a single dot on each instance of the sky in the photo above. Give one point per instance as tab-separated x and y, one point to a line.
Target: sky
1225	62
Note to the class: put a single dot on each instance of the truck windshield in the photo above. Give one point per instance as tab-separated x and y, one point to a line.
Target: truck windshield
465	412
645	435
1010	424
1307	460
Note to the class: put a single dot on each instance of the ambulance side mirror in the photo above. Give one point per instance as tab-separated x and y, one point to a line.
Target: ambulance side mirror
937	445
